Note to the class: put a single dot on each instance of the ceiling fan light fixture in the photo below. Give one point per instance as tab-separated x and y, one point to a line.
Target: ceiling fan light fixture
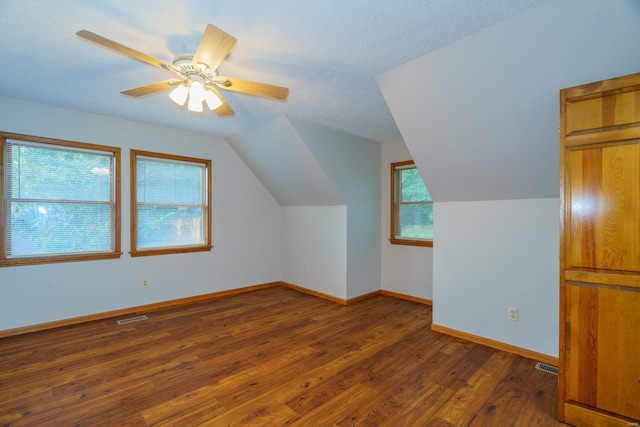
197	74
196	96
212	99
179	94
195	105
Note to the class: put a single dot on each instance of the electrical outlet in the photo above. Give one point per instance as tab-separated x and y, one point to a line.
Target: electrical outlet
513	314
145	283
306	271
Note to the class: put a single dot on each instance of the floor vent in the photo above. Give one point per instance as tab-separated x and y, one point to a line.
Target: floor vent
547	368
132	319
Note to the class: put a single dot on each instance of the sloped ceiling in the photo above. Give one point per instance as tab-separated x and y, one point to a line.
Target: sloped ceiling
327	52
279	158
480	116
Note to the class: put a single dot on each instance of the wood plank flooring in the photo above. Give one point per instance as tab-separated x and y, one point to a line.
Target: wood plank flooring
272	357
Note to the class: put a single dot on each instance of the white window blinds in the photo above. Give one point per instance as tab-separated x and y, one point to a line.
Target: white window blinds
171	203
58	200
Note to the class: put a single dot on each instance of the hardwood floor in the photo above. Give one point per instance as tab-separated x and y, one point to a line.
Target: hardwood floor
271	357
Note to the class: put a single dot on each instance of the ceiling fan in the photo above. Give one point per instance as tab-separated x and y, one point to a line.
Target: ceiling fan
197	75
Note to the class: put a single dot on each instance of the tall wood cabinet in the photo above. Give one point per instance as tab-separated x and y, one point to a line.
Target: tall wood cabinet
600	253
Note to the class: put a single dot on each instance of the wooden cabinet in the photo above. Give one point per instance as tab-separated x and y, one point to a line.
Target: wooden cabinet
600	253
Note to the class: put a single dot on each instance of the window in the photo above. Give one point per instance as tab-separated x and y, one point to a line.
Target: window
60	201
411	207
170	208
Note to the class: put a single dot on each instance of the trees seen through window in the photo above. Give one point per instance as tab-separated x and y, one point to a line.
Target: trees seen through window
411	207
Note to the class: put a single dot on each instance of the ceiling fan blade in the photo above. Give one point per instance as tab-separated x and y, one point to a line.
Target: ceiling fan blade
214	46
252	88
152	88
224	109
127	51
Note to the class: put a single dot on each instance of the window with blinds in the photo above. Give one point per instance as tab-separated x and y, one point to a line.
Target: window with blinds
411	207
59	200
170	205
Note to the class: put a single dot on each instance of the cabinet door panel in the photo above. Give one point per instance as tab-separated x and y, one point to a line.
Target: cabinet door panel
610	109
600	253
604	208
603	355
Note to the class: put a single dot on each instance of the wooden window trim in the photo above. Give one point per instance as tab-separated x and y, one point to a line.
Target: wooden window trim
75	257
393	217
134	211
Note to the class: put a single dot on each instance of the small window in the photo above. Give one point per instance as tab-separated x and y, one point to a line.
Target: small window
411	207
60	201
170	204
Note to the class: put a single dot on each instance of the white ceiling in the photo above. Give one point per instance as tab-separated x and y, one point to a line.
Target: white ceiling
328	52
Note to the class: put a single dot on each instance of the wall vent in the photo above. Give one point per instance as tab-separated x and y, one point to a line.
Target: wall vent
547	368
132	319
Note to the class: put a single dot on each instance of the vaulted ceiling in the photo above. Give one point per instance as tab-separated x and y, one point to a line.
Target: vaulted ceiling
327	52
480	115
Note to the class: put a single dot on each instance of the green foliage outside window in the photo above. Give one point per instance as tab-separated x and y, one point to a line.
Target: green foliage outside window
416	209
172	212
58	200
171	201
411	207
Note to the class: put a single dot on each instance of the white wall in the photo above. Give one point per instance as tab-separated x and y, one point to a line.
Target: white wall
407	270
314	216
353	165
492	255
305	165
480	119
314	248
246	228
